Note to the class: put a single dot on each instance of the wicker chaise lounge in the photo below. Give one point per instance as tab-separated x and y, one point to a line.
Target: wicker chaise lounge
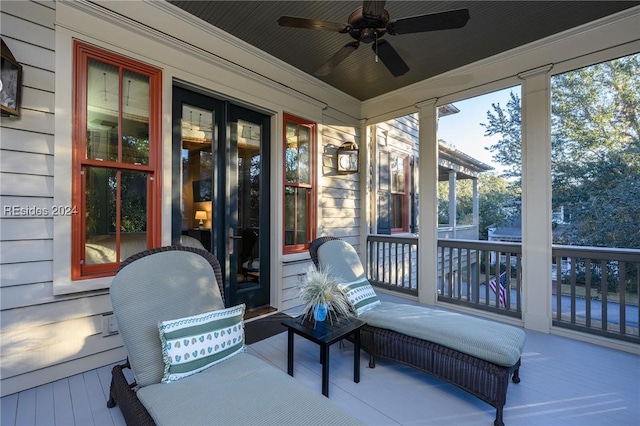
477	355
169	305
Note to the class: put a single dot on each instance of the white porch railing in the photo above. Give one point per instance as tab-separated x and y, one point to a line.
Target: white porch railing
582	300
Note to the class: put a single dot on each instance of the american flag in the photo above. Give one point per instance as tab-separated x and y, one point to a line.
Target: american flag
502	294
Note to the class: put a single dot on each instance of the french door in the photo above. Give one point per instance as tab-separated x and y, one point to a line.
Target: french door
220	182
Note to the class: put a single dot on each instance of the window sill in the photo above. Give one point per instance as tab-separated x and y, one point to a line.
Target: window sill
296	257
67	286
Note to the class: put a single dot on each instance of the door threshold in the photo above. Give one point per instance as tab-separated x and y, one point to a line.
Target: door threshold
257	312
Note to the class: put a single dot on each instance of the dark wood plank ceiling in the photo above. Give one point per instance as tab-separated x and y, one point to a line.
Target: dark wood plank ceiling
494	27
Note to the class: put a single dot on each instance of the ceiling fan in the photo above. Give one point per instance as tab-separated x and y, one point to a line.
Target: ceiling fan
368	23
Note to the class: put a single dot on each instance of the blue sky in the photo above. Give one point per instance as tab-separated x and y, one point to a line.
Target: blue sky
463	130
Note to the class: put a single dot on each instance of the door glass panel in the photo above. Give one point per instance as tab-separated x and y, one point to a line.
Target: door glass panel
249	162
197	173
135	118
102	111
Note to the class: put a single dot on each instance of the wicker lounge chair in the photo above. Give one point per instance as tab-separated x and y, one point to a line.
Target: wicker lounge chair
174	285
479	356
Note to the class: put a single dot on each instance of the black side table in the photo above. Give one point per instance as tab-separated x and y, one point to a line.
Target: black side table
325	334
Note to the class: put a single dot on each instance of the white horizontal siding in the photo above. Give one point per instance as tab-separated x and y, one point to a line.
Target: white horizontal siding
293	275
26	162
17	229
13	184
27	31
19	319
38	78
15	274
17	140
339	201
30	54
55	343
30	121
41	13
25	251
25	295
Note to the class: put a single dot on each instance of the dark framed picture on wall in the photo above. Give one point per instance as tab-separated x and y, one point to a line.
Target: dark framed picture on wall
10	83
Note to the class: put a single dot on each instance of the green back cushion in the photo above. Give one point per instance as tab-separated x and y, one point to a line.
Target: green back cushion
159	287
191	344
343	263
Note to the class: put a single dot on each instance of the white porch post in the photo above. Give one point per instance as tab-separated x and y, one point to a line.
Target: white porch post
453	208
536	199
476	206
428	216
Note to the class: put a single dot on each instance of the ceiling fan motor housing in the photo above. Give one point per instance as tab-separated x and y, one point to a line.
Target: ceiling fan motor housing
367	28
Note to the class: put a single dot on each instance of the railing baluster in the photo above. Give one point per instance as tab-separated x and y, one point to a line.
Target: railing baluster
622	289
573	290
604	290
587	291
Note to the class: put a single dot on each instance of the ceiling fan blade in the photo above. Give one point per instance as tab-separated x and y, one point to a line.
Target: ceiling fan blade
373	9
312	24
338	57
431	22
390	58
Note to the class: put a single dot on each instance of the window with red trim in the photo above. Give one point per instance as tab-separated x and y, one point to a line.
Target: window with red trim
116	160
299	184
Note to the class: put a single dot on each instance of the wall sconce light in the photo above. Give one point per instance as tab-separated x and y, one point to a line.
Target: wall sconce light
10	83
347	157
201	215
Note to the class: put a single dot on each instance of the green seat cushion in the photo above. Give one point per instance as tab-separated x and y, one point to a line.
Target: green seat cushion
491	341
242	390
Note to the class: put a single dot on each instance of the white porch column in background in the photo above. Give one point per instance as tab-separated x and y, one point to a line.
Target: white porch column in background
453	206
476	206
428	215
536	198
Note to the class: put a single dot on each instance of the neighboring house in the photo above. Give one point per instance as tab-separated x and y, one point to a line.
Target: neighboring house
138	122
397	163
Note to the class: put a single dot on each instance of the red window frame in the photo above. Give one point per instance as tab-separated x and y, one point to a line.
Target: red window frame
312	198
82	53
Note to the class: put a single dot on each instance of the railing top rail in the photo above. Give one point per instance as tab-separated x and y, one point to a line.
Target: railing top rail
480	244
599	253
404	239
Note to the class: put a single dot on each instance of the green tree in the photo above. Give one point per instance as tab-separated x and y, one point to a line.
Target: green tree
507	123
595	150
496	199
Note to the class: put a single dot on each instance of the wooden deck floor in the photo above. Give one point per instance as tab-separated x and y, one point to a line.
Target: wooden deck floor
564	382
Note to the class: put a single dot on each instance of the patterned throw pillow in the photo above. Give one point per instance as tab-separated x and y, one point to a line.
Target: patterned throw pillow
360	295
191	344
